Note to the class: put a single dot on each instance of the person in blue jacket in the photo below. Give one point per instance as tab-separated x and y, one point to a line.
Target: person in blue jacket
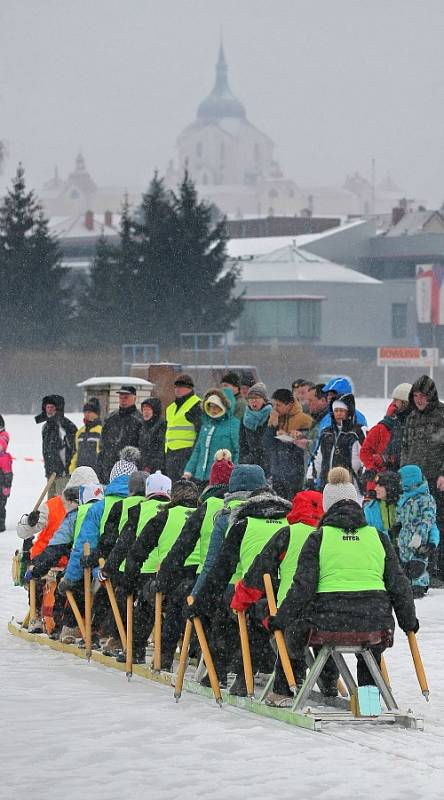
381	512
419	534
333	389
219	431
95	519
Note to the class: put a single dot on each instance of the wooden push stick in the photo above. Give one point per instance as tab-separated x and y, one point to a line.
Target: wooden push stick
183	660
115	607
45	491
157	632
88	602
246	654
280	641
420	674
384	672
25	622
77	614
32	601
129	636
200	633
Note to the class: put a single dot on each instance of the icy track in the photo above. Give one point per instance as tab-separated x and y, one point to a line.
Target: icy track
74	730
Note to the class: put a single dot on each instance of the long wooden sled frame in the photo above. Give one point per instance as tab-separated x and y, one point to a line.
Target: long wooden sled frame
313	719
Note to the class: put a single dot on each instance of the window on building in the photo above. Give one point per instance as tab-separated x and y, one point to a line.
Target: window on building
199	149
399	320
222	151
285	320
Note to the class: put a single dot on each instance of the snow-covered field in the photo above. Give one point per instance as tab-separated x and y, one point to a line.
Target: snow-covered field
72	729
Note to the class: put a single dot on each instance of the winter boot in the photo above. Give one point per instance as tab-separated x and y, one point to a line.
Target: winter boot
36	626
111	647
206	681
95	644
238	687
69	635
139	657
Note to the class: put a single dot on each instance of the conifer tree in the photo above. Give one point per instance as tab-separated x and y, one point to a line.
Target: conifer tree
36	303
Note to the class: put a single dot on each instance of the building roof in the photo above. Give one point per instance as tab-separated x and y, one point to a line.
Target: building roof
261	245
414	222
291	263
221	102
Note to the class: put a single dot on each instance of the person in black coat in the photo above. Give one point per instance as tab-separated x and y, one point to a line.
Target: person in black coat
253	426
120	429
306	606
58	441
152	435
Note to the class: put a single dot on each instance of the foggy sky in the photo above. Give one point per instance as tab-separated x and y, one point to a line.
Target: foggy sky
333	82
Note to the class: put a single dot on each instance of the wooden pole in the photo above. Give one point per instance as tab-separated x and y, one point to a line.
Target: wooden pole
129	636
88	602
183	660
207	655
420	673
280	640
246	654
384	672
157	632
77	614
115	607
45	491
32	601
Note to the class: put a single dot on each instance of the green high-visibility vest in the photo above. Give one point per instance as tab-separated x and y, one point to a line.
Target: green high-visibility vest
129	502
148	510
110	501
351	561
81	514
299	533
199	554
257	533
180	432
177	517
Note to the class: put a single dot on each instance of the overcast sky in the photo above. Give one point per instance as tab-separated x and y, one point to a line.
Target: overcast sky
333	82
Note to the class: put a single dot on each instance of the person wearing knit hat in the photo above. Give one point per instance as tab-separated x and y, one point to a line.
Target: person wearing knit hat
254	425
183	421
121	428
151	545
401	392
247	380
381	510
349	579
129	458
87	438
221	469
339	444
219	431
381	448
231	381
158	484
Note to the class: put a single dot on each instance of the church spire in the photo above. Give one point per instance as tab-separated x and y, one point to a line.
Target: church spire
221	102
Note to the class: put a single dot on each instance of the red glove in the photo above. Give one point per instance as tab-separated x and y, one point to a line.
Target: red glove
244	597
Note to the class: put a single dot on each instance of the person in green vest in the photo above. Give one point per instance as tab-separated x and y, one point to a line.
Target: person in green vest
152	544
279	559
348	578
251	525
177	574
183	419
95	521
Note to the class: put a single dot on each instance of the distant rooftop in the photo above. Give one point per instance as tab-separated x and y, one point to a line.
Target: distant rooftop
291	263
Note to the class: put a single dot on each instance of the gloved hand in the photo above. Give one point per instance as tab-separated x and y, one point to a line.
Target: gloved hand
102	576
90	561
413	630
259	611
6	491
192	611
33	518
150	590
29	574
65	586
415	542
274	624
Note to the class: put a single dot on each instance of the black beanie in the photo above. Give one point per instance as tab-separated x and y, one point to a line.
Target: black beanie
92	405
392	484
232	378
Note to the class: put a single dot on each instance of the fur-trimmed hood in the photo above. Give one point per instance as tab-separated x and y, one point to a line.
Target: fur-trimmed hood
266	505
227	399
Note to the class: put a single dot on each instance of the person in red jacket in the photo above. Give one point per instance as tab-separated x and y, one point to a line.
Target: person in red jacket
381	449
5	473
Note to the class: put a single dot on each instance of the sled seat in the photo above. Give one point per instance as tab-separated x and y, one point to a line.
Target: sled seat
360	639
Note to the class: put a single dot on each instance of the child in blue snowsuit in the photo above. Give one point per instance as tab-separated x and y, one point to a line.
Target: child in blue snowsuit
419	532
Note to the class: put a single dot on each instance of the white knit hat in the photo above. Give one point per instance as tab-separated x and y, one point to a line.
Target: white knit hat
339	487
157	483
339	404
402	391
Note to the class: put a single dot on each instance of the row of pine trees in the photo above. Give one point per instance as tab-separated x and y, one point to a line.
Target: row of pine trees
167	274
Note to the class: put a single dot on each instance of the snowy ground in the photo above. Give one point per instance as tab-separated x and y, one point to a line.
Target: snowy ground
72	728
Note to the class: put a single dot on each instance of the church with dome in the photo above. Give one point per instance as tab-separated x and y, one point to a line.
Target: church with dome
231	161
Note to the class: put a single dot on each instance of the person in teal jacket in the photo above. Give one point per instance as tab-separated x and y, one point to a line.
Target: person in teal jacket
219	430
